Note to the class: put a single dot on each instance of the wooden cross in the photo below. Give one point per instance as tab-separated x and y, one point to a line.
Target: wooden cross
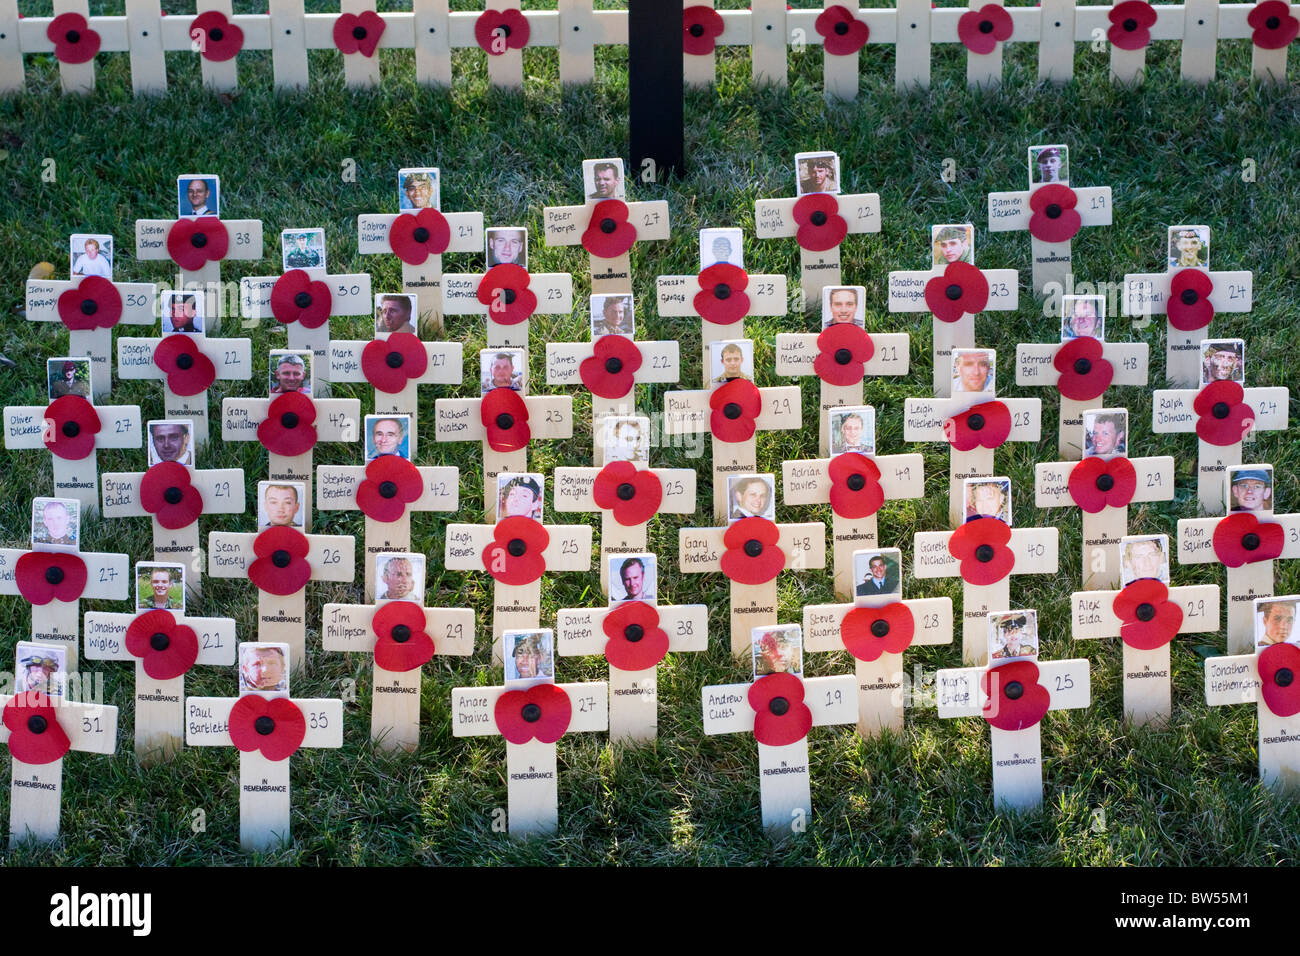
493	294
304	301
198	246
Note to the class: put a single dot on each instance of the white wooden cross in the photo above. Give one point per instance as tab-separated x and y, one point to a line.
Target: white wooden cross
198	246
304	300
491	294
1265	678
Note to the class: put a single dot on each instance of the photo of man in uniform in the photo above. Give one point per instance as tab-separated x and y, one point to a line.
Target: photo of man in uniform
68	377
507	246
154	585
305	250
853	430
952	243
730	360
197	197
1049	164
879	579
263	667
627	439
1223	361
417	188
1014	634
55	521
289	373
751	497
529	655
612	315
401	578
1274	621
633	578
1144	557
1189	247
818	173
841	307
182	312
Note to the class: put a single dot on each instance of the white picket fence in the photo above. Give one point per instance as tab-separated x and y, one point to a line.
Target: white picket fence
770	31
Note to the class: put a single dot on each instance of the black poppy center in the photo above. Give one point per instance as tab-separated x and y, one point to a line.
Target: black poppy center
1220	410
1130	25
387	489
975	422
504	30
401	634
1190	297
264	725
505	420
1053	211
517	547
185	362
986	26
818	218
1272	23
37	724
281	558
953	292
358	33
753	547
70	429
1082	366
199	240
1015	690
697	30
843	356
173	495
841	28
1283	677
216	34
856	482
531	713
509	295
779	706
722	291
1105	482
289	419
634	632
302	300
608	225
89	306
613	365
880	628
626	491
1145	611
74	36
1250	541
731	410
984	553
421	234
394	360
54	575
160	641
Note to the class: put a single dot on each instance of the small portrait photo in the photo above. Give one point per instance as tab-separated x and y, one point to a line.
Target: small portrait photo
952	242
1049	164
844	305
181	312
817	172
68	376
171	440
1189	247
198	194
1013	635
1105	432
751	496
1083	317
722	246
263	669
90	255
418	189
877	573
519	495
40	669
612	315
1144	556
626	438
777	649
731	359
603	179
56	522
399	577
1250	488
503	368
988	498
632	577
853	429
1223	360
973	370
289	372
302	248
507	246
388	435
279	504
529	656
395	312
159	587
1274	621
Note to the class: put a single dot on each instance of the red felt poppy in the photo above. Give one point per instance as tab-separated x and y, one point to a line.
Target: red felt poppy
218	39
609	234
1131	23
45	576
1054	217
296	297
504	290
1095	484
1085	375
281	565
74	41
1273	25
610	372
752	555
167	493
542	711
166	648
414	237
94	303
1014	700
389	364
1189	307
1149	619
855	486
821	227
842	33
985	425
780	715
496	31
515	554
391	483
1244	539
1224	417
276	727
843	351
980	31
868	632
701	27
35	736
633	496
961	290
722	299
636	641
981	547
71	424
192	243
188	370
289	427
401	643
505	417
358	33
1278	665
736	406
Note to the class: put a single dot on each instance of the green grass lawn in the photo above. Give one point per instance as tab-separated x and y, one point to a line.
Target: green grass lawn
1186	795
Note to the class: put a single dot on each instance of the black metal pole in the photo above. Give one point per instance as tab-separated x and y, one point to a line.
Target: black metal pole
654	66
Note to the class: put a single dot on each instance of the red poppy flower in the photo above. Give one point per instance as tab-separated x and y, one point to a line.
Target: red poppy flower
633	496
986	425
752	555
35	736
981	547
610	371
281	565
219	39
1189	307
45	576
1131	23
401	643
166	648
499	30
780	715
505	416
961	290
842	32
736	406
74	41
1095	484
1054	217
515	554
542	711
1085	375
296	297
276	727
1273	25
72	424
1278	665
188	370
855	486
391	484
167	493
868	632
701	27
636	641
94	303
1149	619
1225	418
388	364
722	299
1244	539
821	227
981	30
609	234
358	33
414	237
504	290
1014	700
289	427
843	351
192	243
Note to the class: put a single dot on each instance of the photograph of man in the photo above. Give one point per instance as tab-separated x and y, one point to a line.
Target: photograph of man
519	496
198	195
303	250
604	178
1274	621
280	504
721	246
1223	361
1049	164
972	370
952	243
417	188
632	578
89	260
1083	317
290	372
503	369
612	315
751	497
1189	247
1144	557
728	360
817	172
1013	634
1251	488
388	435
263	667
529	655
393	314
401	577
988	498
181	312
777	650
877	573
68	377
853	430
170	441
508	246
627	439
840	306
1105	434
40	669
159	587
55	521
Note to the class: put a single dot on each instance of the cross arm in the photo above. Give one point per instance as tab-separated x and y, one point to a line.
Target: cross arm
676	295
797	351
564	225
574	486
137	300
336	488
91	728
207	721
1172	409
473	708
579	632
349	295
346	627
554	291
774	218
330	555
233	358
107	575
466	232
1232	679
907	289
222	490
1035	366
1155	481
923	418
687	412
151	238
1010	210
932	618
1035	550
445	362
458	419
105	637
832	700
1196	538
809	482
804	545
569	548
959	694
660	362
337	419
1147	293
1092	613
